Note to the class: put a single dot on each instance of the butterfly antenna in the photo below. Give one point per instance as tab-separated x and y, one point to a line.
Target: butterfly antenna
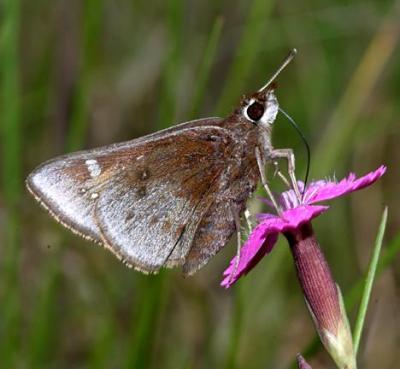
287	60
303	138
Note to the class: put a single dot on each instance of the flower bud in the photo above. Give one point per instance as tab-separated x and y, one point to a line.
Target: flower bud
322	295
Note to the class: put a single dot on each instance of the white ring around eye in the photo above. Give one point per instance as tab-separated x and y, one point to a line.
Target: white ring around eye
271	108
244	111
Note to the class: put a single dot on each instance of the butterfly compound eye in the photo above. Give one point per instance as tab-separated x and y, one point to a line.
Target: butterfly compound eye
255	111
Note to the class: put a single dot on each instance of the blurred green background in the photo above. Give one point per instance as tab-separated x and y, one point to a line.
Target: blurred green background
80	74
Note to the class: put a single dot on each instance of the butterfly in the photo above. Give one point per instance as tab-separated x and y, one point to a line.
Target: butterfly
172	198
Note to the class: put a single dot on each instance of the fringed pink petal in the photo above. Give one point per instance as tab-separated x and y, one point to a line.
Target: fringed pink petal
322	191
263	238
303	214
260	242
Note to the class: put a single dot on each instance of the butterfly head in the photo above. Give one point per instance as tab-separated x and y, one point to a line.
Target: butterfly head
261	107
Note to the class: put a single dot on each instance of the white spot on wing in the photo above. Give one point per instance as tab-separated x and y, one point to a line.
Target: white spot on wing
94	195
93	167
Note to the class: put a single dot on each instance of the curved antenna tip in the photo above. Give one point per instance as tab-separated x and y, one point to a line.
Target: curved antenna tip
287	60
290	56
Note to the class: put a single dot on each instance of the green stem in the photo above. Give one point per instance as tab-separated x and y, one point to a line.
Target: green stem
369	282
236	329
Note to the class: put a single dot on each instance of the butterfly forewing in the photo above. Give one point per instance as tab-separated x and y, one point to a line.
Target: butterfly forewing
143	199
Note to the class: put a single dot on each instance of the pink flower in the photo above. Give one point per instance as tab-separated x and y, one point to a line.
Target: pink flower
265	234
321	293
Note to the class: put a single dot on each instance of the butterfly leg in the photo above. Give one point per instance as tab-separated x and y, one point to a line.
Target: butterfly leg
278	173
261	167
239	238
247	216
289	156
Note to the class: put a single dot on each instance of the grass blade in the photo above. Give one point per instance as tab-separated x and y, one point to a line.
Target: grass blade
385	260
246	52
206	64
344	120
10	163
92	26
145	321
172	68
369	282
45	324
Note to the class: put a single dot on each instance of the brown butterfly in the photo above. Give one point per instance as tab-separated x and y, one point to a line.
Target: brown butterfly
172	198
